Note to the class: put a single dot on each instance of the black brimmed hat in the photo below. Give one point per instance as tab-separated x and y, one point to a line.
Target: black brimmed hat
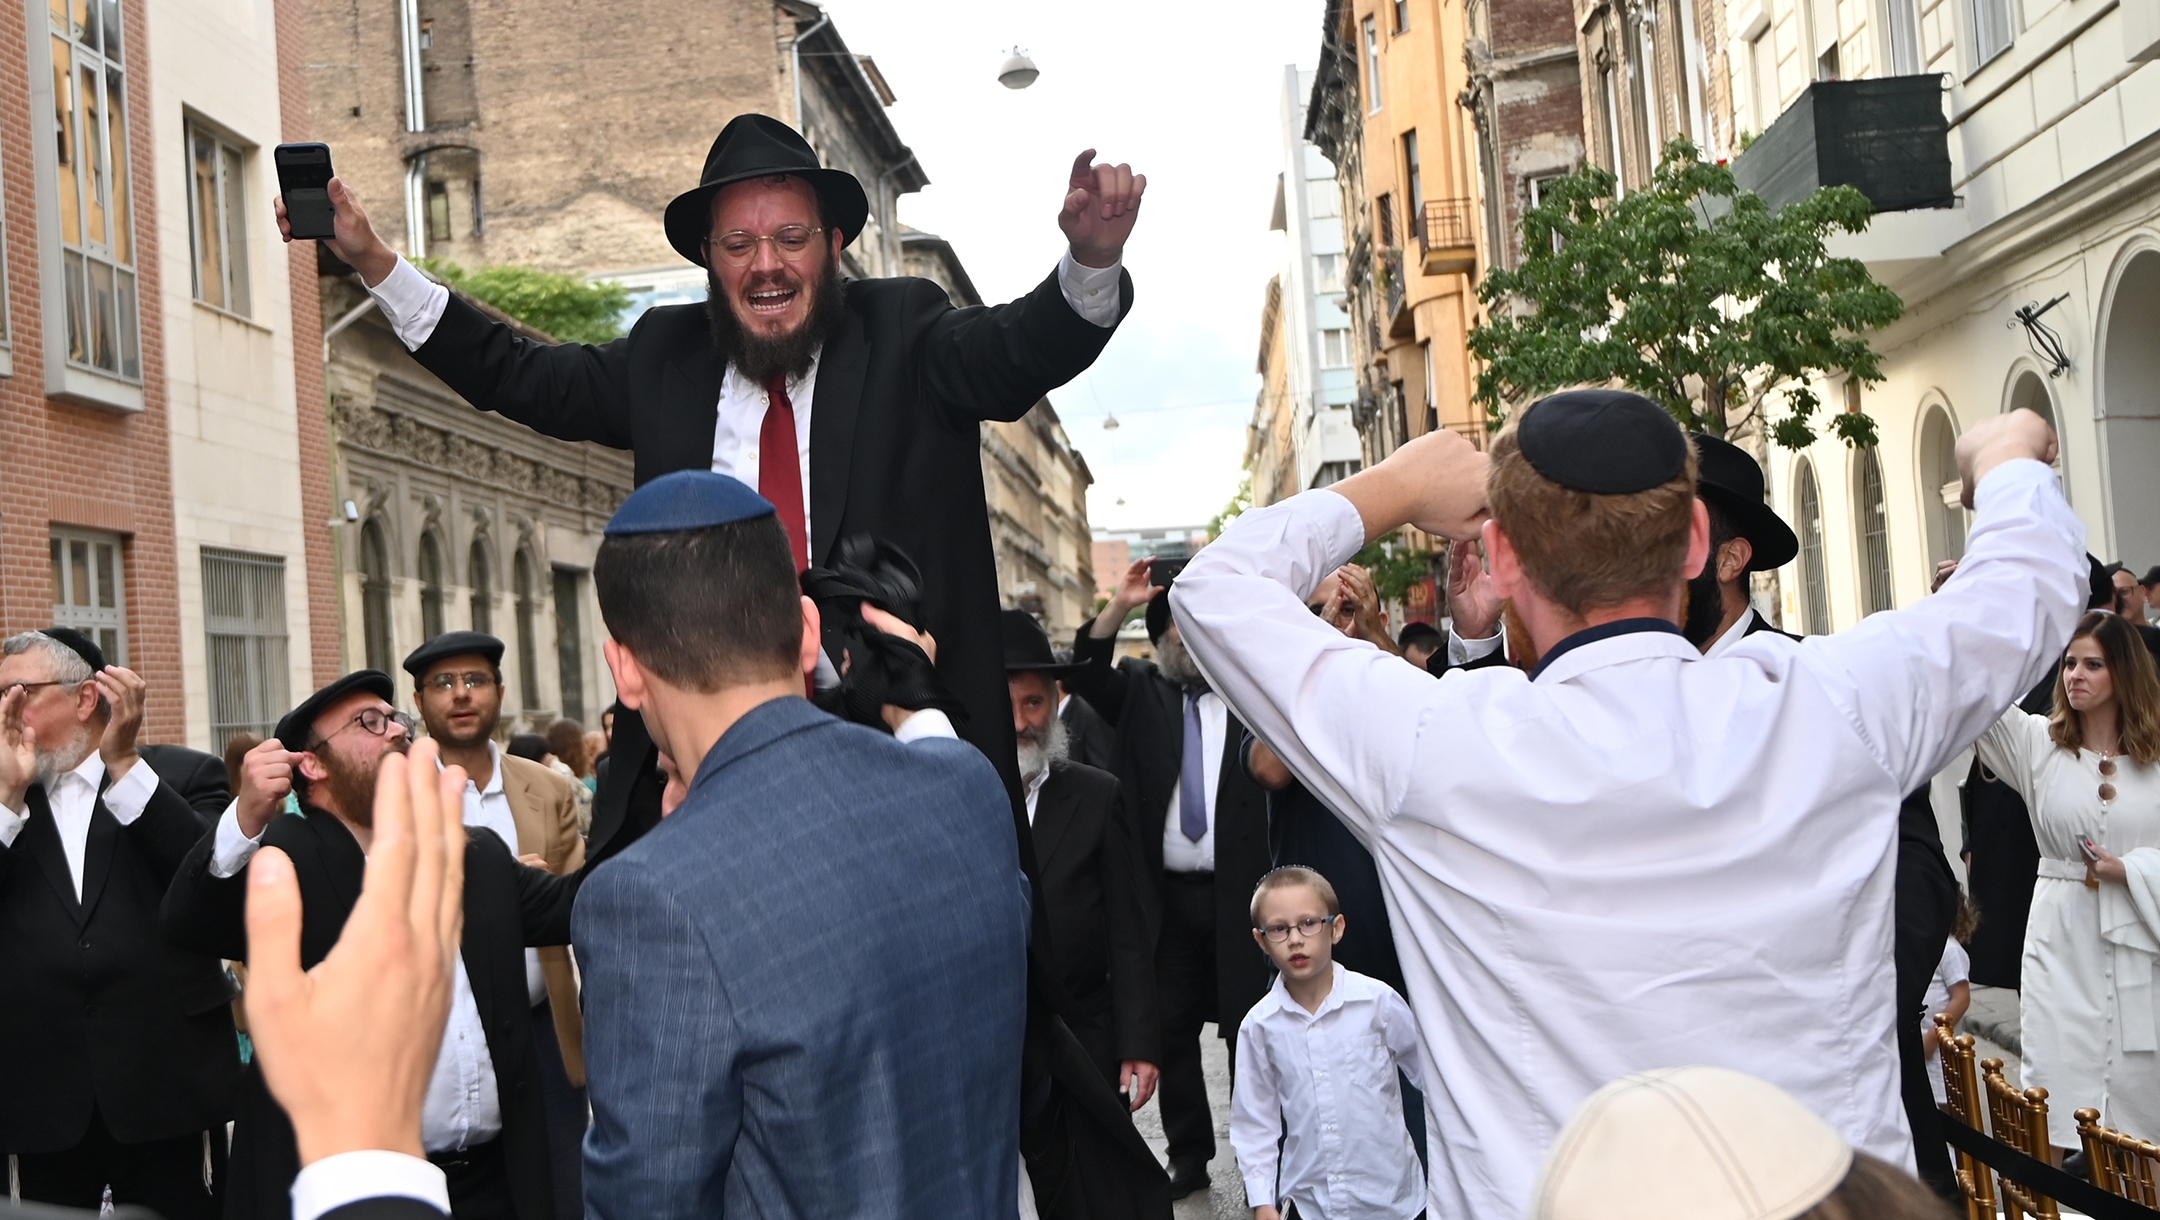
1727	477
296	732
1027	646
757	146
454	644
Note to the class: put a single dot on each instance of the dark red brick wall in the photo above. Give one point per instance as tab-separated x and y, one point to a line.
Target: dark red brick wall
311	398
76	465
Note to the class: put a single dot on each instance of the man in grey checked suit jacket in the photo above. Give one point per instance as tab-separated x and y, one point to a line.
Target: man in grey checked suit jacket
806	987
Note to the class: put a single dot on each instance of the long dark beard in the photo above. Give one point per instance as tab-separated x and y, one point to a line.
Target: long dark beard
1705	607
759	359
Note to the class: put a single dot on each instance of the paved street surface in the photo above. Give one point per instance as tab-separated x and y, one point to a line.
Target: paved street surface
1228	1201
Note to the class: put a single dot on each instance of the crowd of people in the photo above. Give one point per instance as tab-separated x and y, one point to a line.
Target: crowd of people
1608	876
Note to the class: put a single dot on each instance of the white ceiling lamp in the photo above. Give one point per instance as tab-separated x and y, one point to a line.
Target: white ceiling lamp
1018	71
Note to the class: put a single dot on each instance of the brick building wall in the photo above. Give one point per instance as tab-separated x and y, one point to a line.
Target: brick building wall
326	657
1527	101
74	465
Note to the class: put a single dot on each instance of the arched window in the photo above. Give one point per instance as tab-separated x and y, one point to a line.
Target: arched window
521	587
2031	393
1872	515
431	588
1814	587
480	573
375	596
1939	489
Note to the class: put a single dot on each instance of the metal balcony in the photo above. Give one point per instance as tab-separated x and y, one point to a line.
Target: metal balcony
1449	236
1887	136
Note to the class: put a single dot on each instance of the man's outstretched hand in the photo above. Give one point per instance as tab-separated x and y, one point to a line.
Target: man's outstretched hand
1101	203
347	1048
356	241
2006	437
1435	482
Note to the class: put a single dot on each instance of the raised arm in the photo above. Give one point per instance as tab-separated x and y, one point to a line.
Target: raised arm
1920	684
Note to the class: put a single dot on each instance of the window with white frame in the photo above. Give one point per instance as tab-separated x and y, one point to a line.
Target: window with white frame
1762	79
1990	28
1372	63
94	186
1814	582
217	220
1327	273
244	618
90	588
1335	348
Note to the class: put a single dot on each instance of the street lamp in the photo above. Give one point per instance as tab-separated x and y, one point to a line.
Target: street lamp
1109	423
1018	71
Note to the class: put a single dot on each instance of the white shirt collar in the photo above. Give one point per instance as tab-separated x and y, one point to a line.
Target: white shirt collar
1732	635
1037	780
495	782
91	771
1280	994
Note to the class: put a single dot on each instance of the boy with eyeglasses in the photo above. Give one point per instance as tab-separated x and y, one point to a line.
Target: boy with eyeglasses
1313	1057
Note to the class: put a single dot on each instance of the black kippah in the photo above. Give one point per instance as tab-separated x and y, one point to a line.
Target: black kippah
1605	442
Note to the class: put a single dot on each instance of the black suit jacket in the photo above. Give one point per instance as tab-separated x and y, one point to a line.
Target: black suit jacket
1091	887
199	778
1090	741
507	907
98	1009
894	432
1148	712
1759	624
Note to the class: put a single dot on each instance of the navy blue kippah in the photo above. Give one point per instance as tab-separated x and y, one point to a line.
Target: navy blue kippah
1605	442
687	500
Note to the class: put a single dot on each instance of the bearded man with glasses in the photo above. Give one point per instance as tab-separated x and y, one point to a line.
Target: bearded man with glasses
483	1121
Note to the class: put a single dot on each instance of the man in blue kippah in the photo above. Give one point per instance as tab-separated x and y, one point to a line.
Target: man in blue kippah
806	989
1634	856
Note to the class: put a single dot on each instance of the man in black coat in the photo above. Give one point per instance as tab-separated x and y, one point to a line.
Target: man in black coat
871	392
1746	536
1089	741
121	1060
1201	856
199	778
483	1122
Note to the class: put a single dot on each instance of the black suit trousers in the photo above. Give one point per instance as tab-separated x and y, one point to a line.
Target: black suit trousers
1185	983
164	1175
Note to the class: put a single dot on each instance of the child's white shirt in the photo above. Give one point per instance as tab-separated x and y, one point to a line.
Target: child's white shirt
1954	968
1325	1085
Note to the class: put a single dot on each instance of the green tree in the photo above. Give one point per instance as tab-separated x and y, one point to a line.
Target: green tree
565	307
1394	565
1691	292
1240	500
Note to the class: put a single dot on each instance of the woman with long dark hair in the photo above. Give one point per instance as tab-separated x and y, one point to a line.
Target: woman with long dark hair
2090	774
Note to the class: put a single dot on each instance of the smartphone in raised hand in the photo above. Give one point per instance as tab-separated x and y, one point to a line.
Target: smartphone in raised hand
304	173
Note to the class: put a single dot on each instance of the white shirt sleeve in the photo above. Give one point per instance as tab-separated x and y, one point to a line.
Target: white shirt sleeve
1399	1026
126	797
1919	684
349	1177
11	824
1312	693
1461	651
233	850
1091	291
929	722
412	302
1255	1118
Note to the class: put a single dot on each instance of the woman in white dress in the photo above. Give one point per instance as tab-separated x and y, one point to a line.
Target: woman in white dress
2088	773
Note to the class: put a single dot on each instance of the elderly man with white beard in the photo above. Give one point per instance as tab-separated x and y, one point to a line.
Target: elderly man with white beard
1201	823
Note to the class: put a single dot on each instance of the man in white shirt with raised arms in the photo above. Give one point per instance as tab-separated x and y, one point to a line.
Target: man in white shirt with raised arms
1634	857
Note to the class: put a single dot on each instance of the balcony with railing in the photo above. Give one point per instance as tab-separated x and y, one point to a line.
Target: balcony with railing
1448	237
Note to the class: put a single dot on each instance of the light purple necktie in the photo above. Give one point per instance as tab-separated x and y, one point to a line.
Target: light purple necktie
1192	775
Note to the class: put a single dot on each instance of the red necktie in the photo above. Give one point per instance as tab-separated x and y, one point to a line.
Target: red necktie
779	470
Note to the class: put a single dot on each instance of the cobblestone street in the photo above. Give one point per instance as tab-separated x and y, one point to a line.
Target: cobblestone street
1226	1201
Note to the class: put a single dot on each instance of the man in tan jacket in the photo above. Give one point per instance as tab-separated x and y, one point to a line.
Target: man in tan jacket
457	687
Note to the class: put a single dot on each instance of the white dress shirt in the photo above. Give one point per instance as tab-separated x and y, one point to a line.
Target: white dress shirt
349	1177
1731	635
1323	1085
1638	857
1180	854
490	807
73	799
463	1107
414	304
1034	786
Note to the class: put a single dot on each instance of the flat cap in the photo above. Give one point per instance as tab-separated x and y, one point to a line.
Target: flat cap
296	732
79	644
1604	442
687	500
1707	1143
454	644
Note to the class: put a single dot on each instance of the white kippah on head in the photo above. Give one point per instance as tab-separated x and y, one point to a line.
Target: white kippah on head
1704	1143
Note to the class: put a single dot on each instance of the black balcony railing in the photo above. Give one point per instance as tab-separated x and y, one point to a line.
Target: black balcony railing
1446	233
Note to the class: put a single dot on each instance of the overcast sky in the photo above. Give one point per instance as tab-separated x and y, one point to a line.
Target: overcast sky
1190	96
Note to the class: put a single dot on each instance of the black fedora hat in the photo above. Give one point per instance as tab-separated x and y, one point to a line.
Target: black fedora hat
1728	477
1027	646
758	146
